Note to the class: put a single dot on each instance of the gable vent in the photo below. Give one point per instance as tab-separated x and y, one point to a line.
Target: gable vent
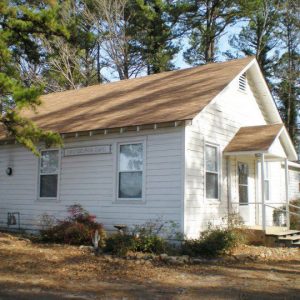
243	83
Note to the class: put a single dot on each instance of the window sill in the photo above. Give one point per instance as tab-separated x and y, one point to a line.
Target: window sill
129	201
42	200
213	201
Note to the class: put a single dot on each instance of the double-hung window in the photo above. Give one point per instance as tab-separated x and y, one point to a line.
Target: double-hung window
130	171
212	171
48	173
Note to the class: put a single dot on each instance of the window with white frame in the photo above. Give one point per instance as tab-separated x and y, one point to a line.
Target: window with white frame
243	175
130	171
212	171
48	173
267	181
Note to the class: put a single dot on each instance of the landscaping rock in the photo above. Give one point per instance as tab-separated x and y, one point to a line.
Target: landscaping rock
87	248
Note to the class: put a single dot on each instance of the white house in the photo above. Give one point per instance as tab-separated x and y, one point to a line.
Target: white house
184	145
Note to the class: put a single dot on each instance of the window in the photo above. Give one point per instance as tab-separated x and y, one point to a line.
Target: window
243	83
299	182
243	172
212	172
267	181
49	172
130	171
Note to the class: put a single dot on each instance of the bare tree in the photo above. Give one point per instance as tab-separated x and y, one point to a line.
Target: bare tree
111	22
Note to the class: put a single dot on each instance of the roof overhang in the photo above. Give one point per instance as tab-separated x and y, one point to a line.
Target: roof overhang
263	139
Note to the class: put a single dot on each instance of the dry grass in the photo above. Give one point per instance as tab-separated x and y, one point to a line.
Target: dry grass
35	271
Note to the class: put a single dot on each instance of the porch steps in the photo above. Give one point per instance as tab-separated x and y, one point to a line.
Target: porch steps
289	238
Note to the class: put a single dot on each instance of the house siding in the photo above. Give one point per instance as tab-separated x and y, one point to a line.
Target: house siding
217	124
294	181
91	181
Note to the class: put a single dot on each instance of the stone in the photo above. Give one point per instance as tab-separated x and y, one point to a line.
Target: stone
88	248
198	260
164	257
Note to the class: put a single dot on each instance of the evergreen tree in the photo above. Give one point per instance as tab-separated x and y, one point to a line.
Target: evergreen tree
207	21
259	37
22	24
154	26
287	69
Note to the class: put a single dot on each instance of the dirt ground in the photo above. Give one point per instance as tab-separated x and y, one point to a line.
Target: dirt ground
37	271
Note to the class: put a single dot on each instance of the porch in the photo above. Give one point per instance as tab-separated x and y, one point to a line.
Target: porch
258	180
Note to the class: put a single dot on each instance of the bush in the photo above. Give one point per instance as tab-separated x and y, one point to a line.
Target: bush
76	229
120	244
212	243
148	238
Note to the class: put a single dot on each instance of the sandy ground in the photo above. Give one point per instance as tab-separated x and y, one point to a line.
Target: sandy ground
37	271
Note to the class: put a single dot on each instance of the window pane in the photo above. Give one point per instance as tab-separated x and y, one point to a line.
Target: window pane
49	162
211	186
243	194
211	158
243	173
130	184
48	186
131	157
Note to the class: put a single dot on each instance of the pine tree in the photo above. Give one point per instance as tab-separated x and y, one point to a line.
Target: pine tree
207	21
154	26
22	25
259	37
287	69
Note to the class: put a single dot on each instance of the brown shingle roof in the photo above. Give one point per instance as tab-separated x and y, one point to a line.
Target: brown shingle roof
254	138
165	97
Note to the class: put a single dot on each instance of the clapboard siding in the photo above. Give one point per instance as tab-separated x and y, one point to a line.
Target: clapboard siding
217	124
90	180
294	181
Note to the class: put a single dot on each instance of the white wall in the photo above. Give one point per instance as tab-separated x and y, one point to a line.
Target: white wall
217	124
90	181
294	181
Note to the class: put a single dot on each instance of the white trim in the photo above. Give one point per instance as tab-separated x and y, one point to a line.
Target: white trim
51	199
238	183
116	172
184	178
219	165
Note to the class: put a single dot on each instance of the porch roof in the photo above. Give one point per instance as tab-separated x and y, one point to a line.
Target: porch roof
259	139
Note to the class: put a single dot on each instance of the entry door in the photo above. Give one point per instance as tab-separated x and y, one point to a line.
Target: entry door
243	182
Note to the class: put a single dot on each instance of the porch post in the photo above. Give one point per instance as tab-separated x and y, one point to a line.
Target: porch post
286	167
263	207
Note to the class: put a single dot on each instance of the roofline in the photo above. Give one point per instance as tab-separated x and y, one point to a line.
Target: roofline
105	131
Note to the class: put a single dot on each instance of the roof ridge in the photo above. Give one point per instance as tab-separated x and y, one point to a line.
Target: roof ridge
124	81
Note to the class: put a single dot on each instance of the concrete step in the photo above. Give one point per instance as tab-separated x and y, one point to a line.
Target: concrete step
285	233
292	238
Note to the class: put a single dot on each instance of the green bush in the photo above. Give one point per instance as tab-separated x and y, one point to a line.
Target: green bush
212	243
120	244
145	238
76	229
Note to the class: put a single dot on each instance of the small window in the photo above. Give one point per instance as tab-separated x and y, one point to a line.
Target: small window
130	171
243	83
243	174
212	172
267	182
49	172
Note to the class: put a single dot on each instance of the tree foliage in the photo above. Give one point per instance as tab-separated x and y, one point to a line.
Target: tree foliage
22	25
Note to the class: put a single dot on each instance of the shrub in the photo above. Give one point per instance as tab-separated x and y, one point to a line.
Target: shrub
212	242
120	244
76	229
149	237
